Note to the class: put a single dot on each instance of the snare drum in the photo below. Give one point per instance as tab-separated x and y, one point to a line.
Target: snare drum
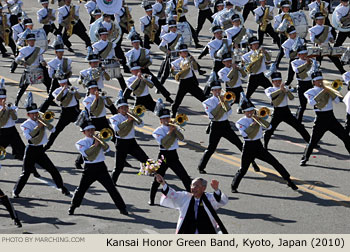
313	51
338	51
34	76
326	51
112	67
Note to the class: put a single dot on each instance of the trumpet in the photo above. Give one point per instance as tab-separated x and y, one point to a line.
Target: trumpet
2	153
139	110
48	117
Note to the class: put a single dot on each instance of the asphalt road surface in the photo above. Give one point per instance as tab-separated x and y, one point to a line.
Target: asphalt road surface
264	205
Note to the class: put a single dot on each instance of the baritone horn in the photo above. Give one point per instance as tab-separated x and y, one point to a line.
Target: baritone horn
2	153
48	116
139	110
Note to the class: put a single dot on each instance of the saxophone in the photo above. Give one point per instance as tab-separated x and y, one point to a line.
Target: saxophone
129	21
48	18
265	20
154	29
185	68
179	9
71	22
256	56
6	29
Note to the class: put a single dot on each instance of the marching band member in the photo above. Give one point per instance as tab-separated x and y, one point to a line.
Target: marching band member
174	4
94	63
346	100
68	17
251	130
149	25
285	8
279	95
218	110
95	14
264	22
5	33
143	57
236	32
290	51
214	46
325	119
90	7
106	50
9	207
158	9
69	98
34	130
301	67
92	148
59	68
31	57
115	34
139	85
47	16
321	35
9	4
8	132
321	6
197	209
204	12
167	137
231	75
123	124
342	16
256	60
186	65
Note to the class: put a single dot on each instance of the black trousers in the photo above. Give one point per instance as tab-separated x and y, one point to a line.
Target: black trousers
194	33
290	73
156	83
68	115
347	124
269	30
10	136
120	54
97	172
302	87
79	30
172	161
249	7
202	16
255	81
342	36
189	85
283	114
336	62
219	130
280	55
12	45
252	150
36	155
125	147
8	205
326	121
50	98
51	28
23	86
146	101
147	42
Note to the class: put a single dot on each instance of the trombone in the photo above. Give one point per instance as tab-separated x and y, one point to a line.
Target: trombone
228	97
46	118
135	117
139	110
262	114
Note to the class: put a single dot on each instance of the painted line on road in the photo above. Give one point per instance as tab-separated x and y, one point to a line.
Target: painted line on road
311	188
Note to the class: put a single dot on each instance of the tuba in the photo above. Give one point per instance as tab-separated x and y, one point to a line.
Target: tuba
2	153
